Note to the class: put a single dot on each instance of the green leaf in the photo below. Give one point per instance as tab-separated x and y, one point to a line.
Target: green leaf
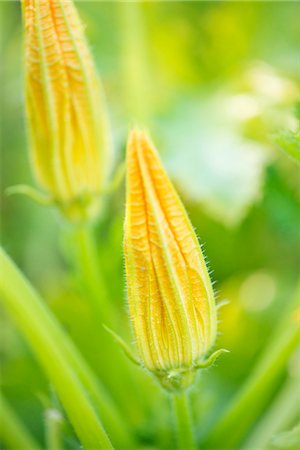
64	366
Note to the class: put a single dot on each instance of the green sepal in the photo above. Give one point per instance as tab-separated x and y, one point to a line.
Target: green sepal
33	194
125	347
176	380
82	209
211	359
181	378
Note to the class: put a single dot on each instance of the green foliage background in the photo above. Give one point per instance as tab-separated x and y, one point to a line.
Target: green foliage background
214	82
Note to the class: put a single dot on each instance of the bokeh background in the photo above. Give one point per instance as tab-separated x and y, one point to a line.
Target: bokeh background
214	82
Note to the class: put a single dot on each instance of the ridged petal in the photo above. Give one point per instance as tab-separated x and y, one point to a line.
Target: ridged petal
67	118
170	294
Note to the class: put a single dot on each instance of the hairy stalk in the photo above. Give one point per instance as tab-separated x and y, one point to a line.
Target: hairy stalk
12	431
184	428
73	380
254	395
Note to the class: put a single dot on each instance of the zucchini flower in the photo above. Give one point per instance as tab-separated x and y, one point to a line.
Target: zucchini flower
170	295
70	146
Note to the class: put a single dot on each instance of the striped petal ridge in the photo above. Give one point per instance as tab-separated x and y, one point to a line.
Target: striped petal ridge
71	152
171	300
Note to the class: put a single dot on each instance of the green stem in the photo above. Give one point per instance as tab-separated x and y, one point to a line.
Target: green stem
13	432
86	261
258	389
53	429
82	252
70	375
135	68
185	439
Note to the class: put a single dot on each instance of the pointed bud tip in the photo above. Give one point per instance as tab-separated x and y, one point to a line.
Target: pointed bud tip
138	140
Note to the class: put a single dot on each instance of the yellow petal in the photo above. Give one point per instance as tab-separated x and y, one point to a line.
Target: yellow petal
170	295
71	152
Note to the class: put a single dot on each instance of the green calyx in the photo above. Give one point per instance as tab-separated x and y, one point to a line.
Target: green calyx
179	379
79	210
82	209
175	380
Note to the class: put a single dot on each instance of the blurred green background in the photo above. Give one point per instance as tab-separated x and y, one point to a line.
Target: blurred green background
213	82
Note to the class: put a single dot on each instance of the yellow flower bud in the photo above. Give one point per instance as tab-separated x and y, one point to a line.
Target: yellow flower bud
71	151
170	295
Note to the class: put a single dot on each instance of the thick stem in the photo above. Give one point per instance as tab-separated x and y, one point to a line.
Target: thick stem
12	431
184	428
70	375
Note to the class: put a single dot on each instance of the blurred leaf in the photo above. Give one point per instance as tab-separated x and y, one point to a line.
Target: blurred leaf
287	440
290	143
297	110
212	162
